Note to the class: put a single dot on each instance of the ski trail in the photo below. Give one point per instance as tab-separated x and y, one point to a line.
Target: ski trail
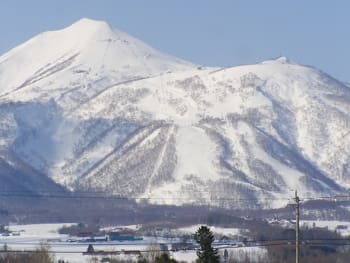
159	159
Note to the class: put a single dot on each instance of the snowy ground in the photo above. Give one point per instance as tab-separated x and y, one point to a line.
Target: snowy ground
30	237
215	230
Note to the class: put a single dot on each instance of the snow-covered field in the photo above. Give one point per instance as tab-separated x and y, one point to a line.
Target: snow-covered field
30	237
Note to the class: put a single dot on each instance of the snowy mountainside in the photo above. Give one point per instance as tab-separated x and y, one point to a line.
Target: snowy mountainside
97	110
86	53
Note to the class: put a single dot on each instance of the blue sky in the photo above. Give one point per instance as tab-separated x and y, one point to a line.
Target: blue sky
212	33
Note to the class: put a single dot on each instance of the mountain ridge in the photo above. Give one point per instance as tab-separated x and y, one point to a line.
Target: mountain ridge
123	118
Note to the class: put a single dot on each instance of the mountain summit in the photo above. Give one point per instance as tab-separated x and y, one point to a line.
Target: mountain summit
87	47
94	109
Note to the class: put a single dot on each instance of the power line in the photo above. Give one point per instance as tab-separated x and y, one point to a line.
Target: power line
50	195
143	243
172	250
95	195
297	236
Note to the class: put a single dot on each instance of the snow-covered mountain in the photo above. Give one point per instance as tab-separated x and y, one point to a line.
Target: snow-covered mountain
95	109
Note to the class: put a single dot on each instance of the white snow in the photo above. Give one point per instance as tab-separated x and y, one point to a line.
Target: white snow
227	231
74	84
196	153
93	44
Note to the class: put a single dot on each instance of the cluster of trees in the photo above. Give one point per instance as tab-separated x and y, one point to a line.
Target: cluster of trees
79	229
40	255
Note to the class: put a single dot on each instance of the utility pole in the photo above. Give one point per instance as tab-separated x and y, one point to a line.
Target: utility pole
297	235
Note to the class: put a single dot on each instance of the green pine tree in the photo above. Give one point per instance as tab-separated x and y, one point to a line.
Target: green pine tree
206	252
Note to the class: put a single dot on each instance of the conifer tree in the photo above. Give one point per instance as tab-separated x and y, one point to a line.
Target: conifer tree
206	252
